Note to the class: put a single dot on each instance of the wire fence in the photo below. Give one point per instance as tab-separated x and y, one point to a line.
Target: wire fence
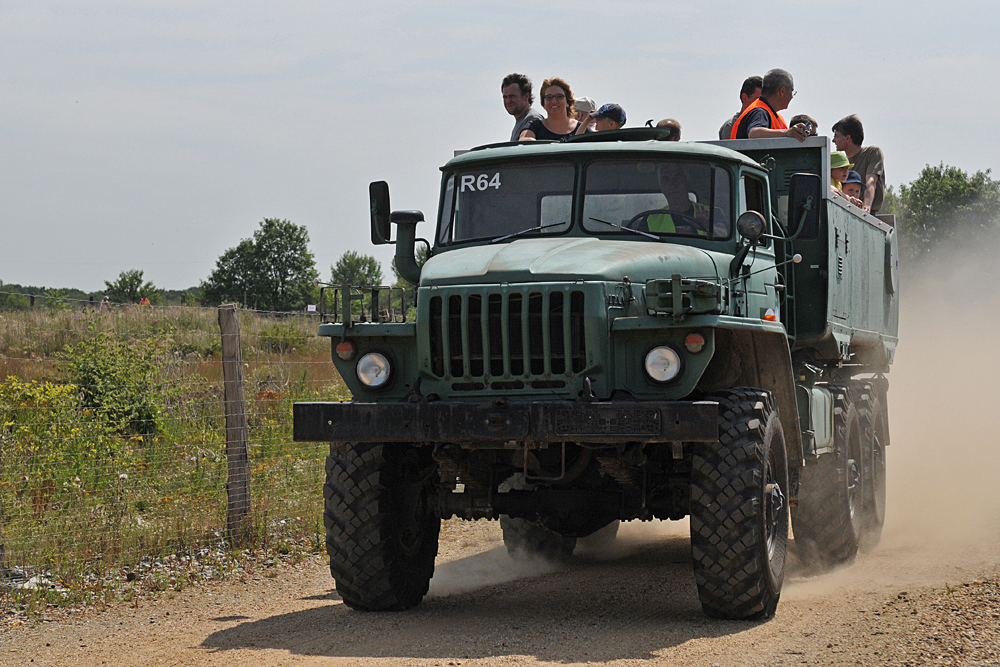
113	445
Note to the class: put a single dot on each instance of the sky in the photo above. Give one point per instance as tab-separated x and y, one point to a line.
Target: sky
155	135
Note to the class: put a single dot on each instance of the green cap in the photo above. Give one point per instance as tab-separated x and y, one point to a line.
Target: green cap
839	159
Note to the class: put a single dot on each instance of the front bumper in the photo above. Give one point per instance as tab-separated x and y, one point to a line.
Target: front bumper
489	423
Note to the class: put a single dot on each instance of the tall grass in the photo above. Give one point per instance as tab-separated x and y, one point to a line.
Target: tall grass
83	501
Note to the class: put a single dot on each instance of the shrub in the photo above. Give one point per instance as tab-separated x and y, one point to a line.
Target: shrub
117	380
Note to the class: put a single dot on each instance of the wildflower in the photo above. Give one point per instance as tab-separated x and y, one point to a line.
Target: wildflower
123	477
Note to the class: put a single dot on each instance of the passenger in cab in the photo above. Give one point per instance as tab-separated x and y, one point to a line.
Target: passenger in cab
748	95
608	117
869	162
673	126
559	123
683	214
761	119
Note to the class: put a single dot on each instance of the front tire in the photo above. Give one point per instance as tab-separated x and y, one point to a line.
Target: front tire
739	509
381	524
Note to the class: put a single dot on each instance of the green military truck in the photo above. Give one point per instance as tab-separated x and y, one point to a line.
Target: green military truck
614	328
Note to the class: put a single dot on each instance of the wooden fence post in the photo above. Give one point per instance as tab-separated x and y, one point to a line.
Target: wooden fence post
237	431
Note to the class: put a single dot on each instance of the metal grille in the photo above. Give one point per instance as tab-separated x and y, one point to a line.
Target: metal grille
508	340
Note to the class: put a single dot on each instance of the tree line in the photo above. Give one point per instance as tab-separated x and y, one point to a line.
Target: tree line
945	208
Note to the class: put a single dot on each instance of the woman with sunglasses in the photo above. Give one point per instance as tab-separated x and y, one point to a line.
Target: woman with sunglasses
559	123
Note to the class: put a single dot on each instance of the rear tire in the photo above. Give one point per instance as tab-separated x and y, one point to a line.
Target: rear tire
874	436
739	509
828	518
381	524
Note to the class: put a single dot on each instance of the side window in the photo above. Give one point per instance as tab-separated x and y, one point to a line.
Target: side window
753	198
752	195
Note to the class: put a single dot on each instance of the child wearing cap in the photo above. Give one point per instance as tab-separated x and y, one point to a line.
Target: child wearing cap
608	117
840	173
840	164
852	186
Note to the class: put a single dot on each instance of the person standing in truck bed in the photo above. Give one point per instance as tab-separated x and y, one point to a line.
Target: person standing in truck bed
559	123
517	100
749	94
761	119
869	162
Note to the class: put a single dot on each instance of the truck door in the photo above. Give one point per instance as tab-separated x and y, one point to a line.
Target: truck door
762	301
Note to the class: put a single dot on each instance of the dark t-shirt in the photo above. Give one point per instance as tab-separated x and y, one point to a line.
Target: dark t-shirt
756	118
543	133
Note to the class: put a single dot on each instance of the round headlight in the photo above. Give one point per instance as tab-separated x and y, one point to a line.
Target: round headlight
663	363
373	369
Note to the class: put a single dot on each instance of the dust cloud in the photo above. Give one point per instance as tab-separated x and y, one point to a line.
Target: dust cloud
943	463
488	568
944	409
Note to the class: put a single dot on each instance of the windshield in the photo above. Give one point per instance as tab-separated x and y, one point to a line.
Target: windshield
657	197
519	200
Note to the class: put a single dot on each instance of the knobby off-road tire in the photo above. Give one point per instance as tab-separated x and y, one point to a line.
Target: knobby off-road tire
739	509
828	518
381	524
874	437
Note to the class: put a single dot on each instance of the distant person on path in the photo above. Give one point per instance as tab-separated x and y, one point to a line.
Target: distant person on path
558	124
517	100
608	117
144	302
761	119
748	95
869	162
105	305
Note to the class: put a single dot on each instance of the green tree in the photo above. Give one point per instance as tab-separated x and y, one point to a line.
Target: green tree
129	288
356	270
945	207
273	270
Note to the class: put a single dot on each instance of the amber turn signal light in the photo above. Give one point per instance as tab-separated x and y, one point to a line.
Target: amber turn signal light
694	342
346	350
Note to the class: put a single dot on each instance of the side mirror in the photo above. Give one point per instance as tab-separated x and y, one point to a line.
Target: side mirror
378	196
751	226
804	194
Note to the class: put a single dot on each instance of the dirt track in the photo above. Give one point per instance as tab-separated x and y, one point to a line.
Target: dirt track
905	603
636	604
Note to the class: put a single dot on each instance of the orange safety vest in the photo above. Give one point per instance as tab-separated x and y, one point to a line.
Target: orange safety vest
777	122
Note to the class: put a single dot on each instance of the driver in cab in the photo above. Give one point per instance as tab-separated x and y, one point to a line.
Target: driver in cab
683	214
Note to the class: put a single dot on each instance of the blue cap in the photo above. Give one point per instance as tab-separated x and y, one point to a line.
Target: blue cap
611	112
853	177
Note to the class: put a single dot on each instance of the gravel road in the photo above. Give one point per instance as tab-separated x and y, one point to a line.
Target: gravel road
929	594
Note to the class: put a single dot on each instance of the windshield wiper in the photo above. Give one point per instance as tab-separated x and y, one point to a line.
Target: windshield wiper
525	231
629	229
